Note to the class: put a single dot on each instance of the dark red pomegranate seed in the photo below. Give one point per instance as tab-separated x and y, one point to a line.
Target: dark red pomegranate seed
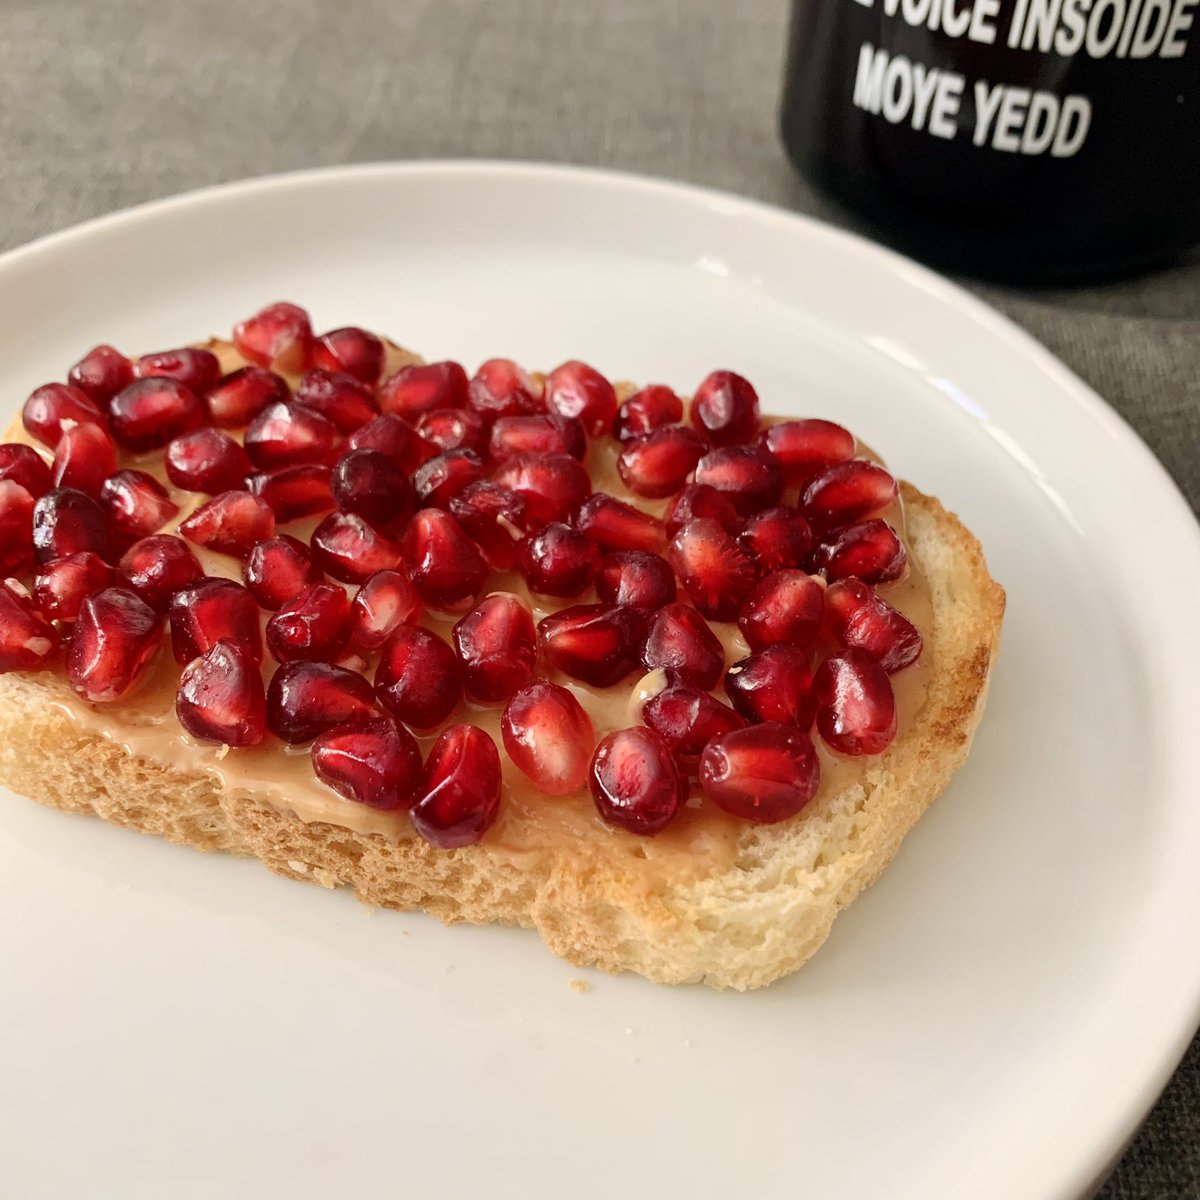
347	547
549	737
137	504
64	522
57	406
459	796
149	413
712	567
595	643
776	538
100	374
765	773
454	429
658	463
680	641
242	394
230	523
848	492
861	620
439	480
376	763
687	719
558	560
84	459
787	606
27	639
636	782
635	579
157	567
497	646
805	448
493	517
385	602
17	528
340	399
647	410
749	476
395	439
577	390
553	485
444	564
419	678
699	501
62	586
536	433
115	638
856	710
212	611
221	697
279	336
285	435
312	625
352	351
196	369
774	684
500	388
304	699
422	387
725	409
615	525
295	492
278	570
23	465
868	550
374	487
207	461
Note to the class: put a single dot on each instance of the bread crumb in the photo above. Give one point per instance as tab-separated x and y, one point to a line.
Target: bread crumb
368	909
579	985
299	867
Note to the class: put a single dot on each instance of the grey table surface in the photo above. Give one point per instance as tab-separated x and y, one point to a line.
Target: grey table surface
107	104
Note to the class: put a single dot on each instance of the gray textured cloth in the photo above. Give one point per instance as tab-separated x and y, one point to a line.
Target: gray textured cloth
105	103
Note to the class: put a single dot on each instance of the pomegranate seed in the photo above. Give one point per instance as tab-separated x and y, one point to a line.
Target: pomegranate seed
285	435
657	464
805	448
776	538
212	611
647	410
221	697
157	567
454	429
869	550
765	773
374	487
442	478
537	433
422	387
62	586
137	504
774	684
230	523
241	395
17	528
615	525
856	710
207	461
340	399
680	641
497	646
577	390
502	389
725	408
748	475
64	522
294	492
558	560
27	639
493	517
848	492
687	719
304	699
23	465
595	643
350	350
279	336
712	567
553	485
460	791
385	602
278	570
549	737
699	501
395	439
149	413
635	579
195	369
347	547
787	606
445	565
419	679
100	374
115	638
861	620
636	782
315	624
55	407
376	763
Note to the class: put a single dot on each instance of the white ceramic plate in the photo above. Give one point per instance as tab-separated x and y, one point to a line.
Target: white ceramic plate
991	1020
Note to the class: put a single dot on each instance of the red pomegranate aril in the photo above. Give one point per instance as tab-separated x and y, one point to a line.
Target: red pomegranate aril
27	639
384	602
774	684
647	410
149	413
314	625
658	464
100	374
500	388
395	439
439	480
459	796
137	504
805	448
230	523
221	697
848	492
115	638
787	606
687	719
286	435
304	699
856	709
454	429
680	642
278	570
635	579
17	511
349	548
595	643
861	620
869	550
764	773
376	763
420	388
279	336
699	501
23	465
496	643
61	586
549	737
614	525
493	517
446	567
157	567
352	351
373	486
749	476
240	396
339	398
776	538
552	485
537	433
725	409
54	407
577	390
419	678
212	611
635	781
207	461
65	521
295	492
558	560
712	567
197	369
